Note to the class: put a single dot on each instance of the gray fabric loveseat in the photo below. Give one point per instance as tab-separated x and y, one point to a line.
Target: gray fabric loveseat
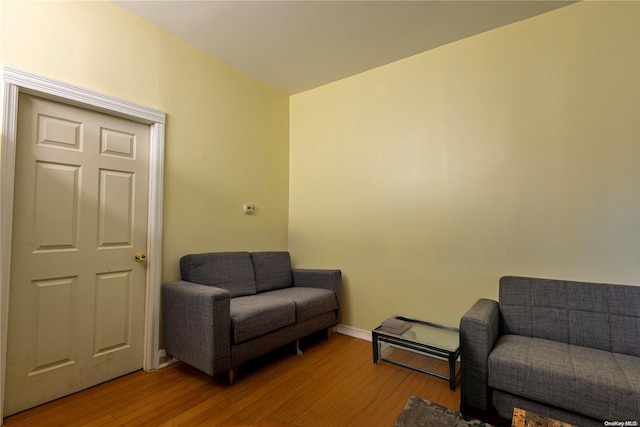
565	350
231	307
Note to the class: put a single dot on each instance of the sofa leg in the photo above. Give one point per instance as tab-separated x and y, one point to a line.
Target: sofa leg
230	376
329	332
298	351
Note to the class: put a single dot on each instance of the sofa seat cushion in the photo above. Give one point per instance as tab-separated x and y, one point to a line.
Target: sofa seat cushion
309	302
597	383
255	315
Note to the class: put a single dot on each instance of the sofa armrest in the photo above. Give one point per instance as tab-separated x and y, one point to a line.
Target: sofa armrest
325	279
479	329
197	325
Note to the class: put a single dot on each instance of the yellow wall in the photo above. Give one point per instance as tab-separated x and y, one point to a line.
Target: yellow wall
514	152
227	136
511	152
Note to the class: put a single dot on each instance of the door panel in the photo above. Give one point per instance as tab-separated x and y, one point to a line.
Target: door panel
57	196
52	300
115	209
77	295
113	305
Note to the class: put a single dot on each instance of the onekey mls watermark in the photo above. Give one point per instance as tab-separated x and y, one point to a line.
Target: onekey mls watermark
627	423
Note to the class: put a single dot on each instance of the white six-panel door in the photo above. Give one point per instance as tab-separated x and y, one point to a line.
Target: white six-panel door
77	293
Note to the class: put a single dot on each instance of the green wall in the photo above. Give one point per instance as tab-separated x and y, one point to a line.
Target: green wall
227	140
513	152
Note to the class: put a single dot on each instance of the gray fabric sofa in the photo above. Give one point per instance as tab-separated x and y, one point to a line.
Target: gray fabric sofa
564	350
231	307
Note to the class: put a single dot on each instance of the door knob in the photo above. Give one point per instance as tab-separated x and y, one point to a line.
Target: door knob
140	257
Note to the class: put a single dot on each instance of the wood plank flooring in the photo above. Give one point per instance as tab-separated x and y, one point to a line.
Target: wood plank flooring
334	383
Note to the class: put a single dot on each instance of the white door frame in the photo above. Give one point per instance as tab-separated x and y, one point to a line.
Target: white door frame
17	81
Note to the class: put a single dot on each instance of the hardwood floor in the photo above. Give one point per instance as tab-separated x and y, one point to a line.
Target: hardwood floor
334	383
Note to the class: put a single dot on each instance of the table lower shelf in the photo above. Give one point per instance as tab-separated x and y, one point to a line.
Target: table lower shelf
430	364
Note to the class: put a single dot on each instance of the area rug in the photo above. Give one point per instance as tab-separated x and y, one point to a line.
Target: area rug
422	413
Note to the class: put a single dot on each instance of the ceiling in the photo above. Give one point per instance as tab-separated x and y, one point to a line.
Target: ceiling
294	46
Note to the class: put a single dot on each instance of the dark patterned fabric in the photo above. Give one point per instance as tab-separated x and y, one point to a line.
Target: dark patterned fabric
422	413
478	333
571	348
596	383
588	314
190	315
214	319
232	271
243	352
273	270
256	315
322	279
309	302
505	402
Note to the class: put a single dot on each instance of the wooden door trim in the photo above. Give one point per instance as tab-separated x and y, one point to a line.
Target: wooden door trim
16	81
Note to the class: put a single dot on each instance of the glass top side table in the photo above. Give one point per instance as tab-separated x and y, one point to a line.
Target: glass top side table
428	339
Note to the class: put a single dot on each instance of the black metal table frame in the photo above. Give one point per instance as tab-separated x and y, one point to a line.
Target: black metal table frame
380	337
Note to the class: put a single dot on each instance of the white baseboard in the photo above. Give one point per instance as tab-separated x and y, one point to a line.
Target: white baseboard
354	332
164	359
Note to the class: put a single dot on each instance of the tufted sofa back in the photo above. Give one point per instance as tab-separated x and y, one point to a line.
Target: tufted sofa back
601	316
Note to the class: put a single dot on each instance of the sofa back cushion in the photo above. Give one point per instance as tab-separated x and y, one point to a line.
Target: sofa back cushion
228	270
602	316
273	270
